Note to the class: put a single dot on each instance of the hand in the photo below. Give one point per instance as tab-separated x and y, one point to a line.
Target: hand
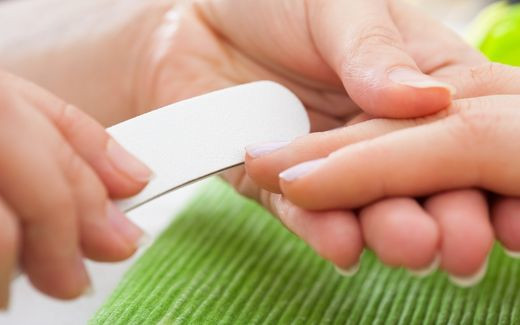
213	45
336	65
58	169
470	145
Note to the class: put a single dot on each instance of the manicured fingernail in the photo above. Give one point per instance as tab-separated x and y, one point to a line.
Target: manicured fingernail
301	170
130	232
512	254
413	78
258	150
471	280
348	272
127	163
427	270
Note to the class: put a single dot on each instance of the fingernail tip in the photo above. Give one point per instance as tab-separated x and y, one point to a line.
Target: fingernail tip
144	240
432	84
351	271
512	254
472	280
127	163
260	149
300	170
88	292
421	273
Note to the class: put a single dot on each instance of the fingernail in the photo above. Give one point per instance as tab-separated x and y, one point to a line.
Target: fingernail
469	281
512	254
88	292
301	170
85	279
413	78
258	150
127	163
347	272
130	232
427	270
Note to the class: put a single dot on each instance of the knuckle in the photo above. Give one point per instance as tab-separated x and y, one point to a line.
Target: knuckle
374	34
68	116
473	125
71	164
487	74
370	37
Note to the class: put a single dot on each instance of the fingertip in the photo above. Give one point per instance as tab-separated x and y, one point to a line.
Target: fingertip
64	281
506	222
466	231
387	229
470	280
112	238
334	235
262	173
348	272
426	271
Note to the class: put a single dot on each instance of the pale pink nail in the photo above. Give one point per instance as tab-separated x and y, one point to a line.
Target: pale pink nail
413	78
301	170
258	150
128	230
127	163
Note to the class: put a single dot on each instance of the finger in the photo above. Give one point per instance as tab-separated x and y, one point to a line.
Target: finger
265	161
8	251
105	233
35	187
362	44
401	233
449	50
458	151
506	222
122	174
334	235
467	234
482	79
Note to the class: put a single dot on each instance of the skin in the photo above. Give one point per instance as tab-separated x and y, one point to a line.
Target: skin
150	54
64	166
457	148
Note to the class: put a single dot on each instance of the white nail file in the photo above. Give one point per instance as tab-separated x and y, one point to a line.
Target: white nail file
201	136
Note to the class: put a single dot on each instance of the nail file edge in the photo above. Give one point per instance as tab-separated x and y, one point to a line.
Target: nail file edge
194	138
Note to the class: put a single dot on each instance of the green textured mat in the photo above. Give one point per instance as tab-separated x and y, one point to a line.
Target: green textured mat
225	260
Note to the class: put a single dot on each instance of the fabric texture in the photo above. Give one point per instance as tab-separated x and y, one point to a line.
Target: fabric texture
225	260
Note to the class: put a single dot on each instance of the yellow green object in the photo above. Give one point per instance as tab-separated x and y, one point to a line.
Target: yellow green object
225	260
496	32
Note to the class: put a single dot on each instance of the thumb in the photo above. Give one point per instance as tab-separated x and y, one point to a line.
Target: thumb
362	44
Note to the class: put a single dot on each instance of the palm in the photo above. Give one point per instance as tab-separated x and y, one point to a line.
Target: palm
194	59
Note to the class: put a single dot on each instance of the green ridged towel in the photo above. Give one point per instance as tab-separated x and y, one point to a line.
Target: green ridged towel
225	260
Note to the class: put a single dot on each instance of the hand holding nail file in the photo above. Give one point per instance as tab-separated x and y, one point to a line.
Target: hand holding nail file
201	136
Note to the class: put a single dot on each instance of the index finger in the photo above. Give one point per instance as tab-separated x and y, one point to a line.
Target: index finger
459	151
